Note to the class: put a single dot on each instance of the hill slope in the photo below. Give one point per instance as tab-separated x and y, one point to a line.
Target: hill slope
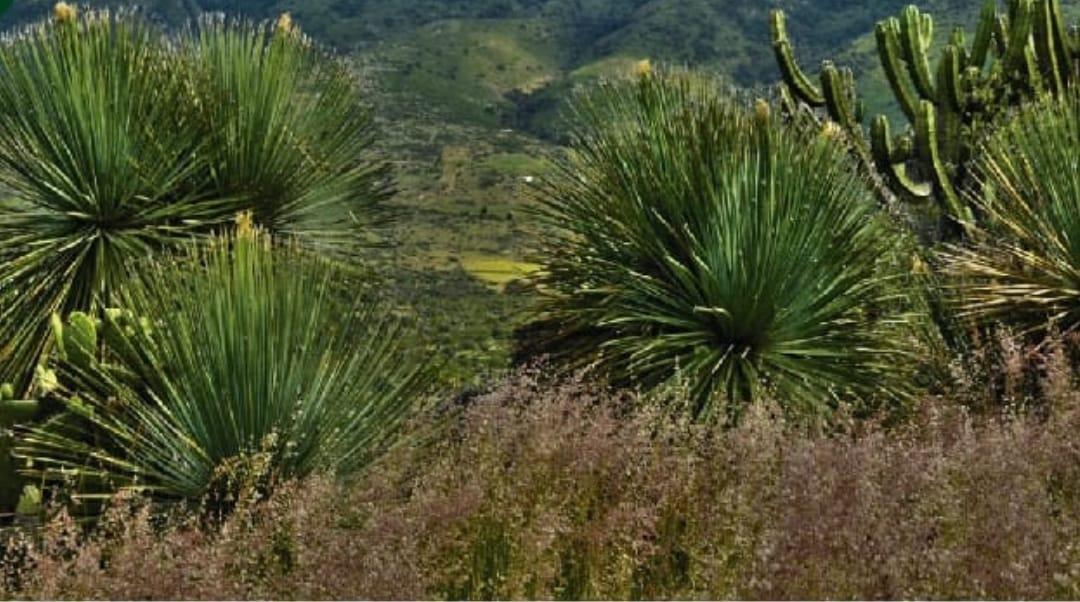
468	92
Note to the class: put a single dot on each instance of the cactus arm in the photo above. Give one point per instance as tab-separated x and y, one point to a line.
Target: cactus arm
915	45
892	161
836	96
950	84
1019	35
839	87
984	34
788	104
950	106
888	43
926	132
958	40
1051	43
1034	74
793	75
1001	35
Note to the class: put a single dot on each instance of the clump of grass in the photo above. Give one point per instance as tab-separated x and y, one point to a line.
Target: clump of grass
118	141
101	166
287	132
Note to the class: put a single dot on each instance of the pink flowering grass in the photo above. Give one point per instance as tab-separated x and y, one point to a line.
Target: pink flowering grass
537	490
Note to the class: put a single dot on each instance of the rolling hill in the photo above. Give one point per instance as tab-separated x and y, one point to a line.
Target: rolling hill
469	93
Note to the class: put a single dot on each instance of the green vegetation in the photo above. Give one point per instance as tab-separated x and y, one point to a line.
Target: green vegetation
82	210
256	363
691	240
232	118
751	373
1023	53
1024	267
286	135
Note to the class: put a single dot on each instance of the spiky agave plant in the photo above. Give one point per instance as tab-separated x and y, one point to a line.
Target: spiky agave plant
287	131
256	358
100	167
1023	268
691	238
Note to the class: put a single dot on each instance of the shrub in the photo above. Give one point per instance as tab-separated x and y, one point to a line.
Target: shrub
1024	267
255	372
690	239
542	491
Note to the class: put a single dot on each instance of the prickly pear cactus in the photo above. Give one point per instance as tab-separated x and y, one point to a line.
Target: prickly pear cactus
76	339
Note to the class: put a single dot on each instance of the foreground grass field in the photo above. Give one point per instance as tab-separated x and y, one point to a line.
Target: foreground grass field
543	490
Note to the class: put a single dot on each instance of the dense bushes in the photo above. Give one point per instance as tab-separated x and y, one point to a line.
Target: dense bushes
689	237
545	491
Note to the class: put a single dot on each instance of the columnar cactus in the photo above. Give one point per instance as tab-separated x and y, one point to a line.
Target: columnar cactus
1017	55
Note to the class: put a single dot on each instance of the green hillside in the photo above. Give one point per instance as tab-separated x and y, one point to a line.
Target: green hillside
469	94
508	63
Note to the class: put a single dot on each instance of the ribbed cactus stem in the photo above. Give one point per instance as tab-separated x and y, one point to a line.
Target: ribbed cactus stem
838	96
984	34
958	40
892	161
1019	34
887	34
926	132
1052	45
950	84
793	75
915	44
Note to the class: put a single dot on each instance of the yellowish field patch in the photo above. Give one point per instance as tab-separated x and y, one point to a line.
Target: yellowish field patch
497	270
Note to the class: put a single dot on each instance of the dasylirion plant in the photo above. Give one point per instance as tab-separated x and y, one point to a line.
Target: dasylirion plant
81	206
232	116
1023	267
259	361
694	241
119	140
1018	55
288	132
